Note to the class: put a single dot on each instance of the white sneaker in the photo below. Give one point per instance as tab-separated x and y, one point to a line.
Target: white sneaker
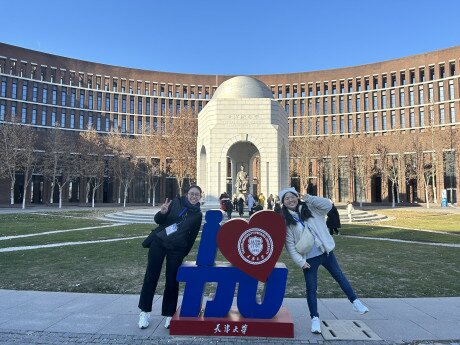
144	319
167	321
359	307
316	325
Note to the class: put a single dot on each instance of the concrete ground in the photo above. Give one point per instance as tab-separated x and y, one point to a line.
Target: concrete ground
33	317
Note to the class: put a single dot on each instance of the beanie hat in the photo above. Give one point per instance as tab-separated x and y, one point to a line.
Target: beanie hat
283	192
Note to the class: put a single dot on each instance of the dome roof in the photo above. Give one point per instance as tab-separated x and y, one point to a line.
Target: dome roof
242	87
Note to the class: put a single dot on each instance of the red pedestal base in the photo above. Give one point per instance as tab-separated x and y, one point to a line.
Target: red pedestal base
280	326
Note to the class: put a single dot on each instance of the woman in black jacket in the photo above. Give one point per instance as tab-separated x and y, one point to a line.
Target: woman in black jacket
333	220
179	223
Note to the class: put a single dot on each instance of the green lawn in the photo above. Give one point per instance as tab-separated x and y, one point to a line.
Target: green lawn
437	221
28	223
380	230
375	268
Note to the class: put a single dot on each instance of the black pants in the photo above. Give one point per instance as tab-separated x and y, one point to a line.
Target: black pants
174	258
333	230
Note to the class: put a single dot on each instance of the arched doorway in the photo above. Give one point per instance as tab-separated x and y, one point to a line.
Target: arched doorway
243	154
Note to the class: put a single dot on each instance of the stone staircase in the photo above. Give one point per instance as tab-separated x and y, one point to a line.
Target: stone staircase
360	216
145	216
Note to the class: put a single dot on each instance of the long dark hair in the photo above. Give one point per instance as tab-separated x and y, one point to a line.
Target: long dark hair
305	213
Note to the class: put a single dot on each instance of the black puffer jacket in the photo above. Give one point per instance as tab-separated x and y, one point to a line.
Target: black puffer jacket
189	224
333	218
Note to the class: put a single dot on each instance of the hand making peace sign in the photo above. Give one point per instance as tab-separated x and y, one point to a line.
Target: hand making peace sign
164	208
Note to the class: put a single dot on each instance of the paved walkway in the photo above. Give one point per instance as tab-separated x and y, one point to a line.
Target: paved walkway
33	317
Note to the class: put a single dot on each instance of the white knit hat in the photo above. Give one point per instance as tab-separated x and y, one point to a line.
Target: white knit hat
283	192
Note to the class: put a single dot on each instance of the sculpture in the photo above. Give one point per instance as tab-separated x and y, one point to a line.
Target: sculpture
242	181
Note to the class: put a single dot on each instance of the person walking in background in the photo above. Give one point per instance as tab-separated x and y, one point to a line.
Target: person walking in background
241	205
179	221
350	210
228	208
261	200
270	201
309	215
333	220
277	206
235	202
250	202
257	207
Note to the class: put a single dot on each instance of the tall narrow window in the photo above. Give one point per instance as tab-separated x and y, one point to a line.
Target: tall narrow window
421	95
34	115
63	96
24	91
72	119
2	111
384	100
411	118
441	91
35	92
402	119
44	117
14	89
442	117
421	117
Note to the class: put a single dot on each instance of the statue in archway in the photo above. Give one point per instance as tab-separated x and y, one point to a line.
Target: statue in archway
242	181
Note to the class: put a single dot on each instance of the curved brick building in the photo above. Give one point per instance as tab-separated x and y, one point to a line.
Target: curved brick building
385	102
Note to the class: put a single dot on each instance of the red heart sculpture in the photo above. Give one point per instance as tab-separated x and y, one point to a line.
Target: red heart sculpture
255	246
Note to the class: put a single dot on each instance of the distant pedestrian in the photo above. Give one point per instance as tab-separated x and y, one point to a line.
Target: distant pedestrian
350	210
250	202
261	200
270	201
228	208
241	205
277	207
257	207
333	220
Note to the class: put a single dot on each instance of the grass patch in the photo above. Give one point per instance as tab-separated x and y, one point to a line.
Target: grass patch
128	230
374	268
437	221
20	224
380	231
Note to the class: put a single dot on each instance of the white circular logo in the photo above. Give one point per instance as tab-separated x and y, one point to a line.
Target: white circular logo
255	246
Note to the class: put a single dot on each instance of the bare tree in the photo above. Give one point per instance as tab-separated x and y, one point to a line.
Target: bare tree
362	164
329	150
181	146
303	151
61	164
17	155
28	158
151	149
93	162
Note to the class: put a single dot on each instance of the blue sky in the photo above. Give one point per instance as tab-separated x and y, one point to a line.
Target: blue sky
232	37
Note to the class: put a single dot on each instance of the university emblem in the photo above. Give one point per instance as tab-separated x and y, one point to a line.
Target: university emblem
255	246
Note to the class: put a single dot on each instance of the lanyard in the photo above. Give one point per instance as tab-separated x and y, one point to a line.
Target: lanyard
303	224
180	215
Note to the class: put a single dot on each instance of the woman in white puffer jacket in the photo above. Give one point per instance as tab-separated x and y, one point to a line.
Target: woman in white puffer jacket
309	215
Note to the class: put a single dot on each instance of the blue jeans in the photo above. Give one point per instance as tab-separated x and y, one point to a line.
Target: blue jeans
311	279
